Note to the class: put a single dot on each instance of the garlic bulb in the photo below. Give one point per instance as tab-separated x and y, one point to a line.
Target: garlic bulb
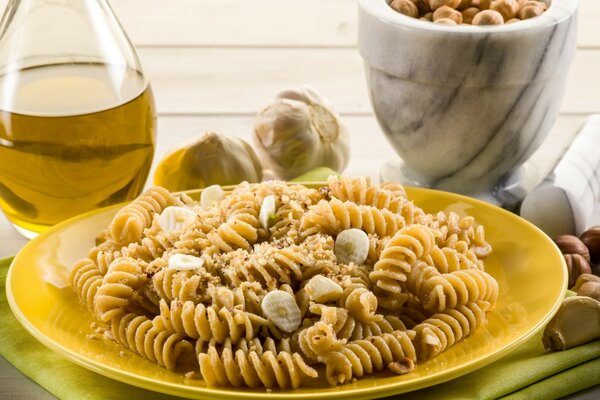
208	160
298	131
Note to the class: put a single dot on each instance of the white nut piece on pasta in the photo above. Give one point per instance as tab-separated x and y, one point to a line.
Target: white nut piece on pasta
185	262
173	218
322	289
211	196
352	246
267	211
281	309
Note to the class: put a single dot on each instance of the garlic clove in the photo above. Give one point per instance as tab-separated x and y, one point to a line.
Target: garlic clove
584	278
173	218
590	289
351	246
322	289
267	211
576	322
185	262
211	196
281	309
211	159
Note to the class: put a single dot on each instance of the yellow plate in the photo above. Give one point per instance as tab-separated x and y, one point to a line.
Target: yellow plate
528	266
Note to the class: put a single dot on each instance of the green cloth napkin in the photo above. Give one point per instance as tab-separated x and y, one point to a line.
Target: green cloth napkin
528	372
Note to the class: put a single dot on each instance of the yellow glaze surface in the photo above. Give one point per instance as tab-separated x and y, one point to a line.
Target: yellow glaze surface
528	266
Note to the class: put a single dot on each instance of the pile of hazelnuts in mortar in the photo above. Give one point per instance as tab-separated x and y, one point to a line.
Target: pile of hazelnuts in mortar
470	12
582	254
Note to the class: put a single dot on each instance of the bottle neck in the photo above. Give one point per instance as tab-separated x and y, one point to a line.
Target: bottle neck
81	31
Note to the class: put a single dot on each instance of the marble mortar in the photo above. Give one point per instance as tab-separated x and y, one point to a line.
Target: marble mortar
464	106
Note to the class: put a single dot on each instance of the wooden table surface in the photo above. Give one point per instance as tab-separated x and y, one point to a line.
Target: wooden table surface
214	64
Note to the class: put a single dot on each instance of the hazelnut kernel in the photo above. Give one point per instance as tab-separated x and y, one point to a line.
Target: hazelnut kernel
530	11
428	16
591	238
541	4
508	8
469	13
446	21
512	21
422	6
488	17
405	7
485	4
569	244
435	4
464	4
576	266
447	12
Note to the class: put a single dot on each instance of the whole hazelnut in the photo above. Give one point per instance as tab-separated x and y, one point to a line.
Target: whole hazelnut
508	8
530	11
576	266
405	7
485	4
569	244
488	17
469	13
447	12
427	16
464	4
445	21
435	4
422	6
591	238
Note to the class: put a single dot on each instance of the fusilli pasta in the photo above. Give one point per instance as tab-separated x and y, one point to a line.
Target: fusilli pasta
277	302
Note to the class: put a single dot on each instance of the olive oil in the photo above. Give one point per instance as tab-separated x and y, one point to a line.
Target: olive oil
73	138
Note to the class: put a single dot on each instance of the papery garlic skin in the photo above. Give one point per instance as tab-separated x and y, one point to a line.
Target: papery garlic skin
298	131
211	159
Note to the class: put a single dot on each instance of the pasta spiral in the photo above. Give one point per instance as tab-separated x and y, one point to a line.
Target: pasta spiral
364	191
441	291
252	366
347	327
361	357
129	223
139	334
197	321
334	216
171	284
268	265
360	302
441	331
398	256
85	278
448	259
123	277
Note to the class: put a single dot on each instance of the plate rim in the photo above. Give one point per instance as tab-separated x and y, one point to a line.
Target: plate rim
190	391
